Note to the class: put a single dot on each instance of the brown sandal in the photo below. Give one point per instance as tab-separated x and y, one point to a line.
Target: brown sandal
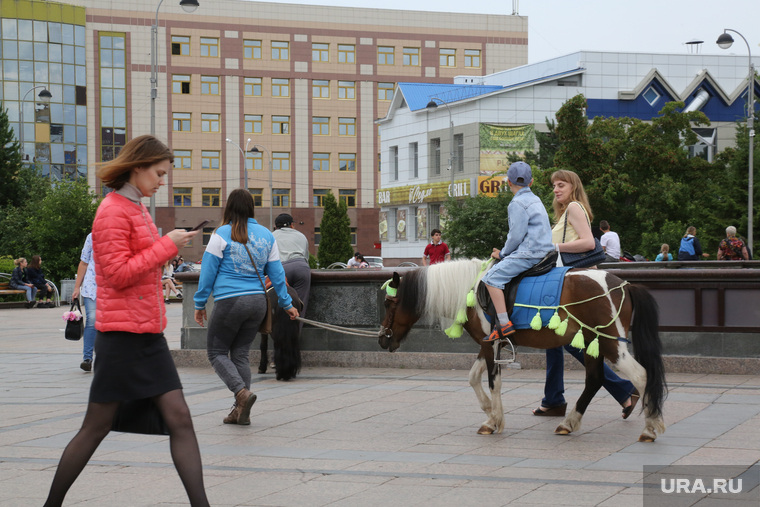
627	411
556	411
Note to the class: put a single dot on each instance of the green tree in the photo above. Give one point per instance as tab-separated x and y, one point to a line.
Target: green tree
335	232
475	226
12	189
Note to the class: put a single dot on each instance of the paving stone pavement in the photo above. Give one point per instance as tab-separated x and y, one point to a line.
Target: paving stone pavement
356	436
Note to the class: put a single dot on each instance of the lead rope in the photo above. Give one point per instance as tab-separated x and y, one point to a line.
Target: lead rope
345	330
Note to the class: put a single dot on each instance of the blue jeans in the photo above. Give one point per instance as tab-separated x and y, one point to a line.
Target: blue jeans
31	292
619	388
89	327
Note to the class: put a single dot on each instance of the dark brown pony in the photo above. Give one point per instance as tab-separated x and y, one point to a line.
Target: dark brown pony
286	336
591	298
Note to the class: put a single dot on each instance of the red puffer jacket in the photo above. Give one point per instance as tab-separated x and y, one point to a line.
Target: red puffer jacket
128	255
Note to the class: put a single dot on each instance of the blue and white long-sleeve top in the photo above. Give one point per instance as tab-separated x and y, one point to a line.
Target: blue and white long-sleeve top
226	269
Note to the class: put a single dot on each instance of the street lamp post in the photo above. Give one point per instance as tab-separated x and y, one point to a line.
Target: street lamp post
724	42
433	105
188	6
45	96
242	153
258	148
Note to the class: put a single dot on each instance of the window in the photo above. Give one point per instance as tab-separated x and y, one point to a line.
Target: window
252	49
347	196
207	232
447	57
346	126
320	89
435	155
393	159
318	197
346	53
280	124
280	87
472	58
413	159
347	162
385	55
181	83
252	123
252	87
651	96
210	47
384	91
254	161
258	196
320	52
183	159
180	45
281	197
320	162
411	57
181	122
434	217
459	144
281	161
210	122
211	197
280	50
209	85
347	90
320	126
210	160
353	235
317	236
183	197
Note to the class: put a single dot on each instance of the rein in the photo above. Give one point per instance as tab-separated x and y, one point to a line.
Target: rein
345	330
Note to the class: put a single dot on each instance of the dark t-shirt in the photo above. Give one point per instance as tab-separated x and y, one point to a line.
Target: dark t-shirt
437	253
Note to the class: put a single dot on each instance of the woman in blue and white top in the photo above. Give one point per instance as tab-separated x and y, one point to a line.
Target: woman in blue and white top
86	287
239	297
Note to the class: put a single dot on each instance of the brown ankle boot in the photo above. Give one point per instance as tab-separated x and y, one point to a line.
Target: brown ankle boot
232	418
244	400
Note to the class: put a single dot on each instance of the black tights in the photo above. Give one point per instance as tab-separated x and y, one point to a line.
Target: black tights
97	424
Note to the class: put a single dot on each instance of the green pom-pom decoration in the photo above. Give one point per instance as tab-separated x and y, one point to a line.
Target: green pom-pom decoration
562	328
461	317
578	342
455	331
535	323
593	348
471	299
554	321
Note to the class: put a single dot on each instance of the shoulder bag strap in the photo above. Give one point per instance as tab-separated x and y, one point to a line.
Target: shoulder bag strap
255	268
564	231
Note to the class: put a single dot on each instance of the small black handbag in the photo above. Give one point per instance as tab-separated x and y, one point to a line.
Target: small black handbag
582	259
74	328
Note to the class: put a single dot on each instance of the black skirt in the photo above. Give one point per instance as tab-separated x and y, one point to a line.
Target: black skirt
130	366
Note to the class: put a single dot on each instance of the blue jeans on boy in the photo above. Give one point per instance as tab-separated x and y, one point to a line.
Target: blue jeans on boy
89	328
619	388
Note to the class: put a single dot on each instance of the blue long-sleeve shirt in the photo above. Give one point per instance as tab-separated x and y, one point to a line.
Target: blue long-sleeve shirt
226	269
530	234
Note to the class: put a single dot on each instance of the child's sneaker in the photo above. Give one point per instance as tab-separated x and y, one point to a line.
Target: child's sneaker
500	332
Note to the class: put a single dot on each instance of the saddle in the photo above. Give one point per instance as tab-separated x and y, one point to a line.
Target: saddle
510	290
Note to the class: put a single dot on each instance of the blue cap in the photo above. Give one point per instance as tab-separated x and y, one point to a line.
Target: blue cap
519	174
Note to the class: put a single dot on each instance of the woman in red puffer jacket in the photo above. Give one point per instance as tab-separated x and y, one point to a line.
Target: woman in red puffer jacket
132	358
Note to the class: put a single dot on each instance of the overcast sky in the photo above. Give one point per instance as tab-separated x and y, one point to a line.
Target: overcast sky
559	27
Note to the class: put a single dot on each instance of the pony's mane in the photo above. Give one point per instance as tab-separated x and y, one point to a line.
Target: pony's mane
447	286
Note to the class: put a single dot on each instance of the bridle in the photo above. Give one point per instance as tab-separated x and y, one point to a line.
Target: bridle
392	299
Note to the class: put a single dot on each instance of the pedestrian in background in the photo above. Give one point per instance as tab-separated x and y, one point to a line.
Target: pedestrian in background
86	287
732	248
239	296
690	249
610	242
20	281
664	254
436	251
134	362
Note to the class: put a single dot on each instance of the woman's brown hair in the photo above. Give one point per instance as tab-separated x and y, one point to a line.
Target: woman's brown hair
238	210
579	194
142	151
36	261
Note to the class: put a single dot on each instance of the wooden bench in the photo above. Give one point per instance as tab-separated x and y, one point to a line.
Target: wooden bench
5	289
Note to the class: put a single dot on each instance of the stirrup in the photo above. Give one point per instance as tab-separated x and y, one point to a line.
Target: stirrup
513	353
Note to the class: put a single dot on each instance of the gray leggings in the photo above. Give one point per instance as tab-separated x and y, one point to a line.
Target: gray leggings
232	327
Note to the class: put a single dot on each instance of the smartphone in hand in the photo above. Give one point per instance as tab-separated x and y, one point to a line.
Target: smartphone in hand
199	226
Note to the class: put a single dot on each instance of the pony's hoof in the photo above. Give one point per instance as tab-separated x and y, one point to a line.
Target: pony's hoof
562	430
646	438
485	430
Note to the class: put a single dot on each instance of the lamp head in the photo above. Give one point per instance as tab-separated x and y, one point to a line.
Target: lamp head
189	5
255	149
724	41
432	104
228	140
45	95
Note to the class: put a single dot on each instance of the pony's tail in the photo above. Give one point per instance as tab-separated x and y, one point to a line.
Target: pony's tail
648	347
286	337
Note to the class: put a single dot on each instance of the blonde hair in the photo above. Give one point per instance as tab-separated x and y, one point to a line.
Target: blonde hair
578	194
142	151
664	249
18	261
690	230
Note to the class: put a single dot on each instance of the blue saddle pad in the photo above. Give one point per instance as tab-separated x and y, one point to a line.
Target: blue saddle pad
544	290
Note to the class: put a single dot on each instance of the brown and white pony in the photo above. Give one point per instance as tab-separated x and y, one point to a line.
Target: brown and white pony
591	298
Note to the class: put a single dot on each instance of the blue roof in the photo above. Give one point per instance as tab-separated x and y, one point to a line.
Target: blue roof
418	95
